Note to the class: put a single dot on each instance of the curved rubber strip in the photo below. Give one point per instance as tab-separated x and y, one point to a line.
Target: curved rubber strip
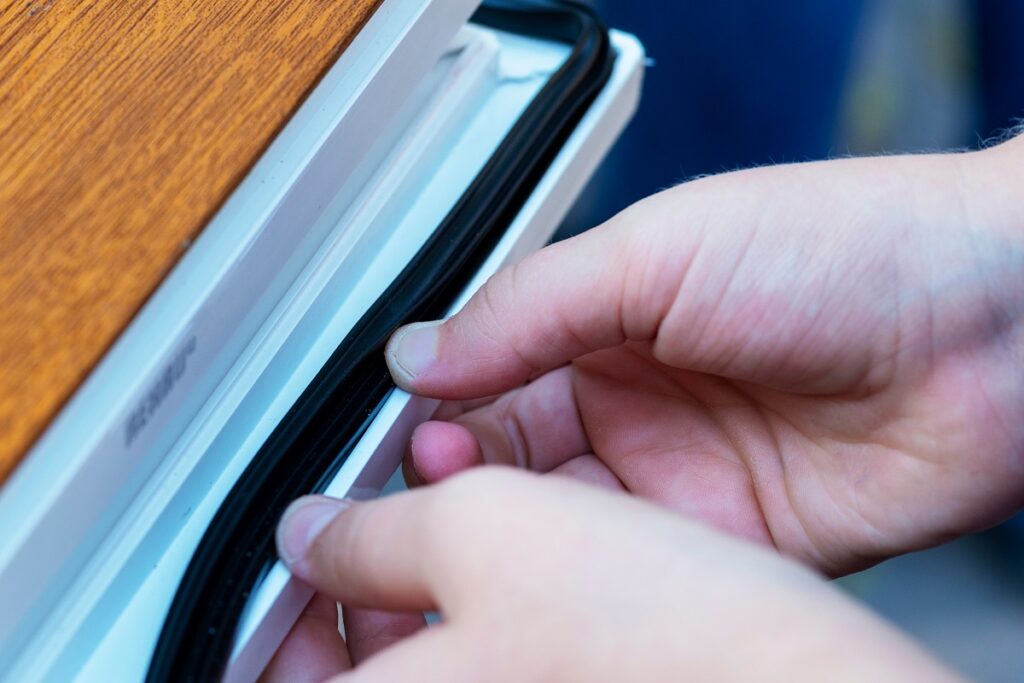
308	447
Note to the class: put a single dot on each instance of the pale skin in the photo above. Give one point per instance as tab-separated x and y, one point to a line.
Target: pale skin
797	371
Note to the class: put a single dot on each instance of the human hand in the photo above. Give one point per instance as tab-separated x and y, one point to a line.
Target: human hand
545	579
825	357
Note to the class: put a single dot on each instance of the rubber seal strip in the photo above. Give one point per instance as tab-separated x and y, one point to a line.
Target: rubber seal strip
309	446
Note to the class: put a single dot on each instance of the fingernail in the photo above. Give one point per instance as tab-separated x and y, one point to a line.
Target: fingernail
302	522
412	350
409	471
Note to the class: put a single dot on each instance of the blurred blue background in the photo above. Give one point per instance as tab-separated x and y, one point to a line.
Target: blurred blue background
736	83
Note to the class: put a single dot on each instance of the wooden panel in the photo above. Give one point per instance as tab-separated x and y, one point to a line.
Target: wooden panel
124	125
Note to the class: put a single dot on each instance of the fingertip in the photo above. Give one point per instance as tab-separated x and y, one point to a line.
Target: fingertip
411	352
409	473
443	359
301	524
440	449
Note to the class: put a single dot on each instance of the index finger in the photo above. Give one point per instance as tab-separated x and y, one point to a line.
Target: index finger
556	305
370	554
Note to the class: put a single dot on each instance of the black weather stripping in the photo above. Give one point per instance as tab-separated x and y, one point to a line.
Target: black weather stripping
311	443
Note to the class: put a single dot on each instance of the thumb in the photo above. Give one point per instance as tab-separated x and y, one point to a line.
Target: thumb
562	302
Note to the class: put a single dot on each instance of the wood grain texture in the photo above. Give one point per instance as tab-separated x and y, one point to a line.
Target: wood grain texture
124	125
